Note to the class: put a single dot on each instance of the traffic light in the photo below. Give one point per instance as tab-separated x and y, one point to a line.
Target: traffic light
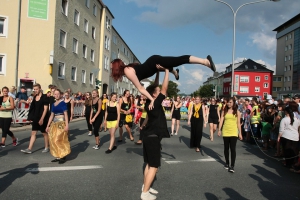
98	83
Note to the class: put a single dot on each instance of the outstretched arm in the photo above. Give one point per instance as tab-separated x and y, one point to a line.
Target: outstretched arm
157	78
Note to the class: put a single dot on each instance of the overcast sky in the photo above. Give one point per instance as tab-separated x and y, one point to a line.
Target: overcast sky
201	27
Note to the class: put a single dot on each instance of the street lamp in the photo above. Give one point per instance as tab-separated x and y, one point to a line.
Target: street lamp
233	46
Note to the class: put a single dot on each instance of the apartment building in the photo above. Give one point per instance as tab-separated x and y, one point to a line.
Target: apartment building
278	84
288	56
119	49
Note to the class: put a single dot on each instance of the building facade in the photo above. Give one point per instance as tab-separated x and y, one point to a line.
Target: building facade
288	56
278	84
251	79
217	81
64	43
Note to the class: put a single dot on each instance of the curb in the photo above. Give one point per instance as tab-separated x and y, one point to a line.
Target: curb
28	127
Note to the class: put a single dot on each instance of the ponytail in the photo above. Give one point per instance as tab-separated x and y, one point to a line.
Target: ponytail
291	114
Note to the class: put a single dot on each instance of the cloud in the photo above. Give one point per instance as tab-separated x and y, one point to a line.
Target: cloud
266	43
268	65
178	83
144	3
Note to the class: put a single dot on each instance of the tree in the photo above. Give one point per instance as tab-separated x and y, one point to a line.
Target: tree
206	91
172	89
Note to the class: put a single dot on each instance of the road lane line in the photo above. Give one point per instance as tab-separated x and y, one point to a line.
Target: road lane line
66	168
174	162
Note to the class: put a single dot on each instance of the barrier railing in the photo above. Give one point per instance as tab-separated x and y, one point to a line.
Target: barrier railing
20	113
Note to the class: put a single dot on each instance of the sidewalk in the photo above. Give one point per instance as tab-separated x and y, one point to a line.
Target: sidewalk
19	127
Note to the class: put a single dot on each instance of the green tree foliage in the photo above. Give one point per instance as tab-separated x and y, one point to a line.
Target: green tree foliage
172	89
206	91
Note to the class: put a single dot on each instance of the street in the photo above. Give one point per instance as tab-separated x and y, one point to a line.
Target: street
184	174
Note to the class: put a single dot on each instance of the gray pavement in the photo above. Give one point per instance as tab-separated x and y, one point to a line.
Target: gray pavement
184	174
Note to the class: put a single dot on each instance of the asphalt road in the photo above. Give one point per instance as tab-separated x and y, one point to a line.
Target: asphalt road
184	174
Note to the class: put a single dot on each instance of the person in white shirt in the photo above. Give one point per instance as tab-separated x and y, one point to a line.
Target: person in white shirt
289	136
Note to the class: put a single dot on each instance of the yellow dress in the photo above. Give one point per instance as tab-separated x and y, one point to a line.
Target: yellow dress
230	128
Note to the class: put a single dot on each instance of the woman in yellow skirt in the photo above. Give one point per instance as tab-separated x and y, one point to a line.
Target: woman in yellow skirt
111	120
57	129
231	130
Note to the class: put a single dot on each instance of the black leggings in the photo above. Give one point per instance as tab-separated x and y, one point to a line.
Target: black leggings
167	61
230	142
5	126
96	125
290	150
87	118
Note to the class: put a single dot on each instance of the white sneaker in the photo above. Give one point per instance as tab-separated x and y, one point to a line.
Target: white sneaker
90	134
147	196
175	133
46	150
96	147
151	190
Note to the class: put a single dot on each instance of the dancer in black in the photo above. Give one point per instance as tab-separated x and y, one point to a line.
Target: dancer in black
87	111
137	72
176	115
125	116
155	130
70	105
213	117
196	119
95	117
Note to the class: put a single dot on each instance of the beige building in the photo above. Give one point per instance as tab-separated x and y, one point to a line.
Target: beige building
287	55
278	84
58	43
119	49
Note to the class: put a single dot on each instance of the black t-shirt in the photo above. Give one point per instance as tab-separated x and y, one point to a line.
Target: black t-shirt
37	108
157	122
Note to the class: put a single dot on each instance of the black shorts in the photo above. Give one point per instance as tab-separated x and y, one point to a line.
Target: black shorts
176	115
151	151
37	127
214	120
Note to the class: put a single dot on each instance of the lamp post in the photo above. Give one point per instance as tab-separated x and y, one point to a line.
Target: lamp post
233	46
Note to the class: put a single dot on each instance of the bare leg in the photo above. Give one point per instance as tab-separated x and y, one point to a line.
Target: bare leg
121	133
214	130
129	132
149	175
112	138
177	125
202	61
46	140
172	127
211	125
97	140
32	139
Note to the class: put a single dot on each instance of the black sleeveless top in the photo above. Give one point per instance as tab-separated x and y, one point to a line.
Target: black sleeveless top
112	113
200	112
213	111
95	108
125	106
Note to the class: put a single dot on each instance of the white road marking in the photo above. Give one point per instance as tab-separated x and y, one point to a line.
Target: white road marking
66	168
209	159
204	160
174	162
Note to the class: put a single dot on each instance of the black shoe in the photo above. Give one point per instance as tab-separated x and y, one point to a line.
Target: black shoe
55	160
231	169
62	160
108	151
120	140
226	166
138	143
212	64
114	148
177	77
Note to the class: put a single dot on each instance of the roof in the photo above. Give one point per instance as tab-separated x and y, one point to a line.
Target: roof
288	23
250	65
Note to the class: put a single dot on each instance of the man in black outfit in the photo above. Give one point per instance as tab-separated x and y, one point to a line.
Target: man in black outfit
155	130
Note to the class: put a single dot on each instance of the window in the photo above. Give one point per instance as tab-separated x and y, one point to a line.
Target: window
87	3
257	89
285	58
290	67
61	70
76	17
2	63
285	79
93	32
108	43
266	77
106	61
289	78
285	68
290	36
257	78
113	55
290	57
289	88
91	78
3	26
64	7
84	49
290	46
92	55
114	39
265	94
246	66
86	25
266	85
244	79
73	73
254	67
279	79
244	89
94	10
62	38
284	89
83	74
285	48
75	45
107	23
